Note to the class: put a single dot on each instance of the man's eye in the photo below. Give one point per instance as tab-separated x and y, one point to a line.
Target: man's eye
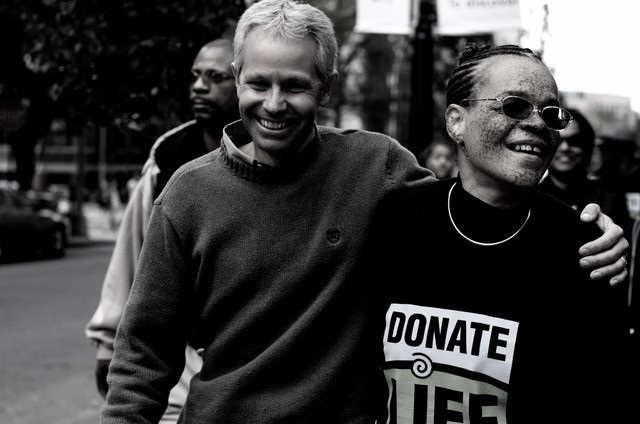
295	88
258	85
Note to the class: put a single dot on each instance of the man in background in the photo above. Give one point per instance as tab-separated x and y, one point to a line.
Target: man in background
214	103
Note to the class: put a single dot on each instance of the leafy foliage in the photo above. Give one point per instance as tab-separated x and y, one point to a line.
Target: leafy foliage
118	62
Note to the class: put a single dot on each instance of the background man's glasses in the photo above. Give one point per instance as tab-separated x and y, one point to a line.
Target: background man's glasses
518	108
210	76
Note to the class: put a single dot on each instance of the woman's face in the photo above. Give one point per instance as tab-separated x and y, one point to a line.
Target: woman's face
504	153
570	154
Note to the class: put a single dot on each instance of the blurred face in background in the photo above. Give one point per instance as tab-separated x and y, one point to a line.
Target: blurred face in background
213	90
440	160
570	154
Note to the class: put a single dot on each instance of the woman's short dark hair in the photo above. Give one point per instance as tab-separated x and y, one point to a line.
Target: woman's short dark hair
464	77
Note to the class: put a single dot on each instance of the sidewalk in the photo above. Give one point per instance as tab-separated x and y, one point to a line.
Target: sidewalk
101	224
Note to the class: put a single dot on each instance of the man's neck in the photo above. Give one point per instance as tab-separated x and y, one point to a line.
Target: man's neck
213	129
211	141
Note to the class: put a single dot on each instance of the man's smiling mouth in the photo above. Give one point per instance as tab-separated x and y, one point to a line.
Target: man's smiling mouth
272	125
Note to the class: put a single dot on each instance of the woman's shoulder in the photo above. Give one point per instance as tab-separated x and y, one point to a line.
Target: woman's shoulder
431	191
561	217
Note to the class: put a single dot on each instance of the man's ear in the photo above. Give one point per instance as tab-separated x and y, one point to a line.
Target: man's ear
235	72
328	89
454	119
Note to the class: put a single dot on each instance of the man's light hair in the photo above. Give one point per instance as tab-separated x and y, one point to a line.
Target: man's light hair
290	20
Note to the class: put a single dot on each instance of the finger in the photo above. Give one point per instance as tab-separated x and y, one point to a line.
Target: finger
616	272
607	257
611	242
591	212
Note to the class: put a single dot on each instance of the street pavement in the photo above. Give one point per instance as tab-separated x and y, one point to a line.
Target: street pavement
46	363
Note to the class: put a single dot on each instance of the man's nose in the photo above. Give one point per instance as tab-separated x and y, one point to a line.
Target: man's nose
199	84
275	101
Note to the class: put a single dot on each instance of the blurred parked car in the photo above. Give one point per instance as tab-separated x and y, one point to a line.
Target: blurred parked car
51	199
27	227
55	201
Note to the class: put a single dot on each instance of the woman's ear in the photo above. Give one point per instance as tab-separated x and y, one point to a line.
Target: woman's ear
454	119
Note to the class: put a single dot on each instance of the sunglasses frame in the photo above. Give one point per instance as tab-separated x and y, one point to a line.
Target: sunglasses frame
534	108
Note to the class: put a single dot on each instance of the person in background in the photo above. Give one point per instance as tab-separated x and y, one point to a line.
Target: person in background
253	251
569	180
439	157
620	172
214	103
505	328
568	176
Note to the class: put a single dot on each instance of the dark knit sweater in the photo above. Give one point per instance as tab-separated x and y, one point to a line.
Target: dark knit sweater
257	266
510	333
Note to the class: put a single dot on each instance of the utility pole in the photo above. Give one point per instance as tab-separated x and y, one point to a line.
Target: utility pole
421	113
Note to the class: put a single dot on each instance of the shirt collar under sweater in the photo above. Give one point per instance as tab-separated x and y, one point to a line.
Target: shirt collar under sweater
235	134
236	153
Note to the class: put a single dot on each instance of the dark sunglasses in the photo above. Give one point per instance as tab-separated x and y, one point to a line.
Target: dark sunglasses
575	140
210	76
515	107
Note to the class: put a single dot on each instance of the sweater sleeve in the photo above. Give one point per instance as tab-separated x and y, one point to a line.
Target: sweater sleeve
403	169
150	342
118	279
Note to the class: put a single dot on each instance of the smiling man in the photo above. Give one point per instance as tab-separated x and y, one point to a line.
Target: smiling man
253	251
280	92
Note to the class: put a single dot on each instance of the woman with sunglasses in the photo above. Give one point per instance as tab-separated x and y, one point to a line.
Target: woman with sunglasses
568	177
489	319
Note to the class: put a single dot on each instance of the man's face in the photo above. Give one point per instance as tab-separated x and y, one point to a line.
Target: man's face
279	93
212	90
505	150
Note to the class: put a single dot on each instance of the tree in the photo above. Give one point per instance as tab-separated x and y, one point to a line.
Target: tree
105	63
121	62
24	104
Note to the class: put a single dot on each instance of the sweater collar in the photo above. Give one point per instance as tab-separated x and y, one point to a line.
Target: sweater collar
235	135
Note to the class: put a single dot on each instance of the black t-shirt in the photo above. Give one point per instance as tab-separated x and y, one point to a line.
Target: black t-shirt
511	332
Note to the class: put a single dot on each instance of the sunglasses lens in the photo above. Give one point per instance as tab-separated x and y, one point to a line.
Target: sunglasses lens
555	117
574	140
517	108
